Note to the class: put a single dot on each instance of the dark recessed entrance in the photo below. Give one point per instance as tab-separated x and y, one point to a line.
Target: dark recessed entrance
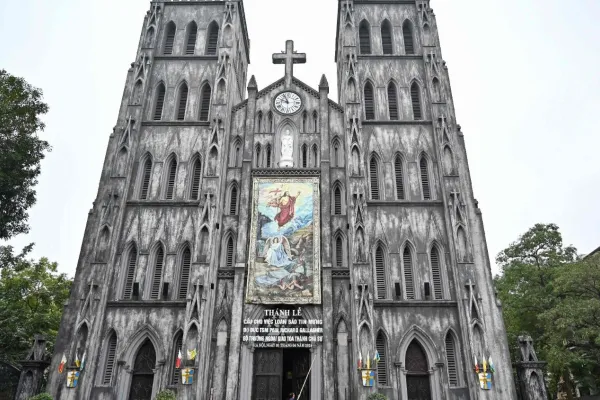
279	372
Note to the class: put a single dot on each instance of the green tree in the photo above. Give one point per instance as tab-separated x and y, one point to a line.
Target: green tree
32	296
20	151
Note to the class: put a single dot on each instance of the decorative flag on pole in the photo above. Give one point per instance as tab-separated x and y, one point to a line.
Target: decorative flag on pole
178	360
61	366
359	360
77	362
192	354
377	357
491	363
82	362
476	366
368	361
485	366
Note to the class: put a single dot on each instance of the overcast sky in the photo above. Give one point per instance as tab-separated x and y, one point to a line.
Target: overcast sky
524	77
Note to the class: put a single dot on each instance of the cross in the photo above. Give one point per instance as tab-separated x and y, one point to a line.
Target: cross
289	58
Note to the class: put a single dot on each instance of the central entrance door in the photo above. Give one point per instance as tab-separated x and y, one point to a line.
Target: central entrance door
279	372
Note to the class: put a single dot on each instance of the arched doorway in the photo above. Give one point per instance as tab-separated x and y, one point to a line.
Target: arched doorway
418	386
143	373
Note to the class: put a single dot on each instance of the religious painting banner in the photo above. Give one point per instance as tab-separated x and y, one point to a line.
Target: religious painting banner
284	259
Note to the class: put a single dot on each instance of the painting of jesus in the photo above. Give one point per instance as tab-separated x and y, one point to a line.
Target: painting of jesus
284	248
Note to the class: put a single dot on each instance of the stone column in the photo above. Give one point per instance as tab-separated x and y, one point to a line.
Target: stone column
32	373
530	372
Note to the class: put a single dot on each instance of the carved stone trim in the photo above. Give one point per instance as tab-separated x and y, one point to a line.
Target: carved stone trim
415	303
286	172
146	304
175	123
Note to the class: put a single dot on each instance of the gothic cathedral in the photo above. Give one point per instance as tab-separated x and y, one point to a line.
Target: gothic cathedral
352	222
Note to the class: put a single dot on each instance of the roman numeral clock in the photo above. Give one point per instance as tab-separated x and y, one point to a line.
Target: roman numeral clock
288	103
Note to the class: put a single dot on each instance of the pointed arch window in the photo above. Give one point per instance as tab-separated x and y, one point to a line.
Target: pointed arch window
171	177
235	153
213	156
315	155
259	122
196	178
351	90
102	246
184	274
229	253
417	374
233	200
415	97
204	238
177	347
192	33
130	274
437	91
159	261
212	39
364	34
374	177
146	175
436	273
305	122
380	272
337	200
304	156
109	361
451	361
382	370
424	171
369	102
339	251
399	175
169	38
182	103
160	102
121	164
336	158
270	122
258	154
268	155
407	33
315	121
205	95
409	282
386	37
137	92
392	101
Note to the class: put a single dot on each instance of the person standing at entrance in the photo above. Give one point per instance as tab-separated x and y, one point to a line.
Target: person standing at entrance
292	396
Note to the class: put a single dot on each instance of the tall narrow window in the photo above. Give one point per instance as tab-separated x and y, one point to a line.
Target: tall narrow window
109	362
316	121
192	33
229	256
184	275
102	245
204	238
386	37
205	96
177	347
169	38
315	156
409	282
364	34
424	170
399	175
415	97
436	274
159	260
160	102
268	155
382	373
374	177
392	101
369	102
337	201
437	91
146	175
270	122
258	154
259	122
304	122
182	103
451	360
336	153
407	33
196	177
213	39
380	272
233	200
304	156
213	156
339	252
171	177
130	275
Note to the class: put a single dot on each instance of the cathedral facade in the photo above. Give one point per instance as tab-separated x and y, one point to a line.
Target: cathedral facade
221	203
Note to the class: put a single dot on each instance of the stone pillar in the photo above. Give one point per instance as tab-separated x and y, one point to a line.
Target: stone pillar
32	373
530	372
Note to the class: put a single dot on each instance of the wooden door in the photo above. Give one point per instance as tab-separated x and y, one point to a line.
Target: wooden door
267	374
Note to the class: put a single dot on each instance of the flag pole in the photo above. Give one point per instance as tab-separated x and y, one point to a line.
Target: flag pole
307	375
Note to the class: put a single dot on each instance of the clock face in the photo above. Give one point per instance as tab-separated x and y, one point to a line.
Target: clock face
288	102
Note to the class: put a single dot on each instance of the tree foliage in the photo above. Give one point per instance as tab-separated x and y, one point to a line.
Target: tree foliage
549	293
32	297
21	151
42	396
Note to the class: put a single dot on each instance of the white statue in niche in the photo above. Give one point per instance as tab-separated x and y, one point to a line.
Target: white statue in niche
287	149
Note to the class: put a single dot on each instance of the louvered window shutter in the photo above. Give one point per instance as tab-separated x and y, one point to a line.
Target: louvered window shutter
339	252
131	262
425	179
408	274
436	273
374	175
409	47
183	97
399	178
380	273
184	278
205	102
178	347
171	179
386	38
191	40
229	253
415	97
451	360
337	200
365	39
369	102
160	103
213	39
196	176
393	102
233	201
382	375
158	268
170	39
109	365
146	179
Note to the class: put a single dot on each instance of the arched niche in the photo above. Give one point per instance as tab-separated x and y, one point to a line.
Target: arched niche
282	128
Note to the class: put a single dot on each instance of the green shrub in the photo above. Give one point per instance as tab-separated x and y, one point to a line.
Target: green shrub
166	395
377	396
42	396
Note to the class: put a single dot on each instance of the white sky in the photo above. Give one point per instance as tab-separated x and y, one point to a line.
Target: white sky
524	76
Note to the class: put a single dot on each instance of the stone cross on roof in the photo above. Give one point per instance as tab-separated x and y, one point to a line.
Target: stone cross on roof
289	58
